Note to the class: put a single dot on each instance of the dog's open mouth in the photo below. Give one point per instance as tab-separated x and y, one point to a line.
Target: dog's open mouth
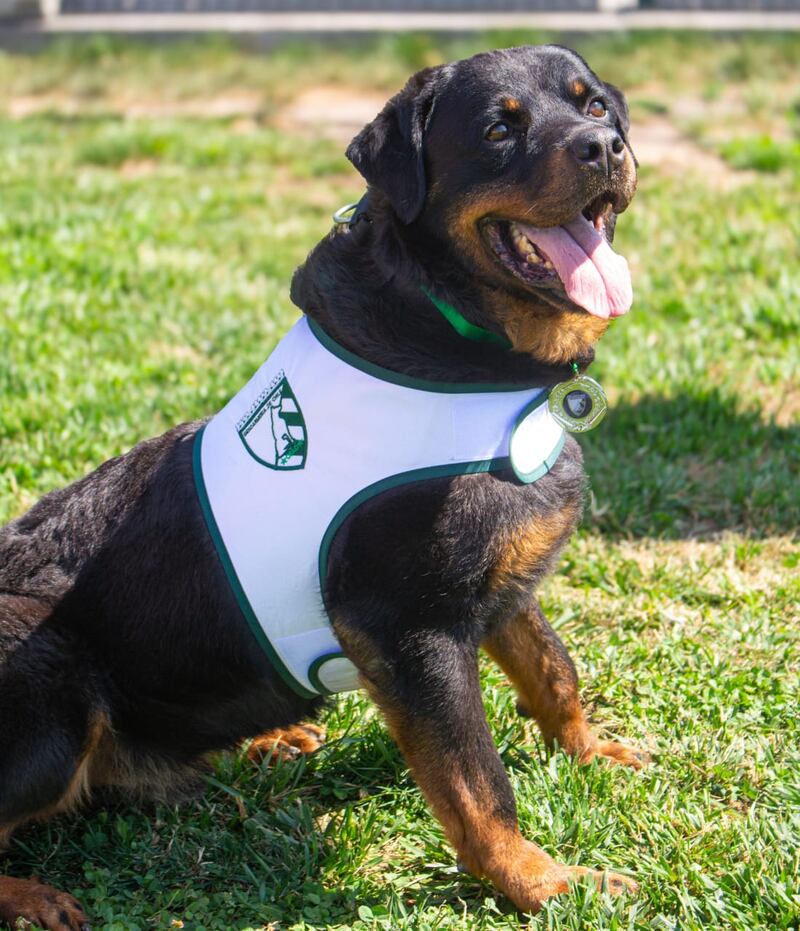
576	254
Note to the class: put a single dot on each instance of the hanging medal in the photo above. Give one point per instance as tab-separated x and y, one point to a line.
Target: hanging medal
579	404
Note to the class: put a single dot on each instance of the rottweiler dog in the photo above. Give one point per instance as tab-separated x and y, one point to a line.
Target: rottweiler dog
494	183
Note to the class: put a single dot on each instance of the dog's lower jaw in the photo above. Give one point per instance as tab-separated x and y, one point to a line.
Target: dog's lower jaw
548	335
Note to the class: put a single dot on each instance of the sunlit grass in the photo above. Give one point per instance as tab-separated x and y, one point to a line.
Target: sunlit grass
144	271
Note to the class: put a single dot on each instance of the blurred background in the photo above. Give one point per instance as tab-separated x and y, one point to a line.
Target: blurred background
165	165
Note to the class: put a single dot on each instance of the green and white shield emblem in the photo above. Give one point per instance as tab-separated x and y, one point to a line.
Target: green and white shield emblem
273	430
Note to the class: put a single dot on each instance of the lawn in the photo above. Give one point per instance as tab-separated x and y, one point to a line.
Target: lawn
153	203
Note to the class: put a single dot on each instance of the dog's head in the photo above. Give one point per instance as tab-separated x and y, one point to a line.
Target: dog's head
511	167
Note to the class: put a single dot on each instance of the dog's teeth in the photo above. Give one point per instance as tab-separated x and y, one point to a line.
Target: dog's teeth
522	244
533	258
548	264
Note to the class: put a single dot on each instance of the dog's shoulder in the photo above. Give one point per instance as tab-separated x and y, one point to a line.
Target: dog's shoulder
456	547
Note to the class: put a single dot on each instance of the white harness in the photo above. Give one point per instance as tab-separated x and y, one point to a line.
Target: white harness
313	434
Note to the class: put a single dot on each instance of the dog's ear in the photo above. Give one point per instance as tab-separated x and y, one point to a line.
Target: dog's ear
388	151
621	108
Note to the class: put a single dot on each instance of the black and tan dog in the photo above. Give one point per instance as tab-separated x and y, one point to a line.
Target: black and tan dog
125	659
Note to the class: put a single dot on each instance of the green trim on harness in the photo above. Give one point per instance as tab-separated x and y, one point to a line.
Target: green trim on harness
233	579
314	668
406	381
417	475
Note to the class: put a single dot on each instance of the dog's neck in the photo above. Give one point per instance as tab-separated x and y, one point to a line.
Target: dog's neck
373	296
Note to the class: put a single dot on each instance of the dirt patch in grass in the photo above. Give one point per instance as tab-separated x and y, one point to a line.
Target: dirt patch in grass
730	562
326	194
783	406
338	112
659	144
20	108
330	111
217	107
138	167
177	352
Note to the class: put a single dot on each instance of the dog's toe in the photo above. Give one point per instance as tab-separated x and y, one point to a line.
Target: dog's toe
28	902
606	881
619	755
287	743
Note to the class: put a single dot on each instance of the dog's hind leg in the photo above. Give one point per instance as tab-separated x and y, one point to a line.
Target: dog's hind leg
50	725
533	657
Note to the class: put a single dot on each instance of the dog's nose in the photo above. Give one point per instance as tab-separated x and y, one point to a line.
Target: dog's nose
599	149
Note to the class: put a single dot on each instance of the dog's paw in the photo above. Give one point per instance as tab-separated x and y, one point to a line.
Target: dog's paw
28	902
614	883
541	878
618	754
287	743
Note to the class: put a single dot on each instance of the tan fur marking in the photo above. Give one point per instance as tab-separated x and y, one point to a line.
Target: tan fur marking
80	784
536	662
578	88
531	544
112	764
551	336
486	844
287	742
546	205
512	104
25	902
361	650
78	788
544	679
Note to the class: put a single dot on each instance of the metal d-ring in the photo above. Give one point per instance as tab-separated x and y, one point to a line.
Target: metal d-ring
344	215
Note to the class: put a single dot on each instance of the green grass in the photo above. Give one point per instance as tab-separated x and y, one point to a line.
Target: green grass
144	269
763	153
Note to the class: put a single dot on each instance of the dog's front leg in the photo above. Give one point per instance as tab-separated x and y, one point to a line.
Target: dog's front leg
429	692
533	657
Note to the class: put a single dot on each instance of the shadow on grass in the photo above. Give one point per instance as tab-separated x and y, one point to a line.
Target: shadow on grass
293	842
297	843
690	467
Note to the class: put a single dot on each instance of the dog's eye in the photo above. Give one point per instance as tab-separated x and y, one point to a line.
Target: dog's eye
597	109
498	132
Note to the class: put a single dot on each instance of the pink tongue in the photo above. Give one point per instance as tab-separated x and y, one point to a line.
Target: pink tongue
595	277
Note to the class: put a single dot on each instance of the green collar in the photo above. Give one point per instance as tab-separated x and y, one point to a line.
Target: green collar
462	326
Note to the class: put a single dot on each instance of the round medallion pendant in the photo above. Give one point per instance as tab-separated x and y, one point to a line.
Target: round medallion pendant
579	404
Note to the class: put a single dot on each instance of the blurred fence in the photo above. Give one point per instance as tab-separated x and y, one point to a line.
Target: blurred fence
410	6
764	6
360	15
322	6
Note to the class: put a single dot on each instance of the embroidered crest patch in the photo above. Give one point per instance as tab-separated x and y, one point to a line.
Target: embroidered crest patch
273	430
